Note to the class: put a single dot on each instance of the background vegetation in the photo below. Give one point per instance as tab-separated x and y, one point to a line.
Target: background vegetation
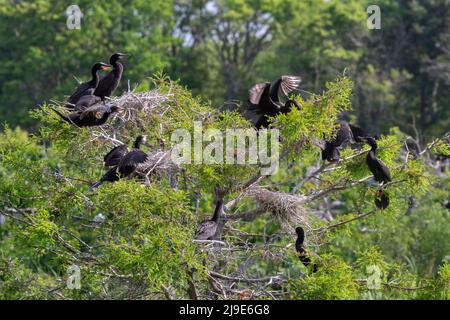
396	84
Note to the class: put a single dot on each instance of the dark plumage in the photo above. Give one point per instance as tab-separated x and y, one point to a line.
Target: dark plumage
330	148
112	158
130	161
95	115
86	102
358	133
381	199
110	176
122	161
302	254
264	99
207	229
87	88
111	81
379	170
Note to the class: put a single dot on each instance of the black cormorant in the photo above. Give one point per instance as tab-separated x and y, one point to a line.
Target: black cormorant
113	157
129	162
379	170
302	254
110	82
330	148
122	162
87	88
264	99
207	229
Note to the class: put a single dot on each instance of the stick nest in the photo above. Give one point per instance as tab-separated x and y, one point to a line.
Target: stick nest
157	164
288	209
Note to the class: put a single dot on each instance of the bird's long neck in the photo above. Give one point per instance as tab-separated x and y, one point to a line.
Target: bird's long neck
137	144
118	68
218	210
373	149
274	90
95	78
300	237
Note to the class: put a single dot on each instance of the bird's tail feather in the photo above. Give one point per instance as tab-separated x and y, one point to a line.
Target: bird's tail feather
96	185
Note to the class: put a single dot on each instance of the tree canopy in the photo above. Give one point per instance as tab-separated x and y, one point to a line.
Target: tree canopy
191	63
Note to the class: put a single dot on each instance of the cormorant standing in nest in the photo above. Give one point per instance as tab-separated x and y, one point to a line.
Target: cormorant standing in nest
87	88
207	229
113	157
111	81
302	254
381	199
379	170
130	161
264	99
122	162
95	115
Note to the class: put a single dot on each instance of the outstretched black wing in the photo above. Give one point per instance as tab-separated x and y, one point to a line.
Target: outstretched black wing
289	84
113	157
259	93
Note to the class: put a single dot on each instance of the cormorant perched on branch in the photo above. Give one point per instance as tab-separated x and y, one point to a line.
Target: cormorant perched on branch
110	82
207	229
87	88
264	99
379	170
122	162
95	115
130	161
302	254
346	132
381	199
330	148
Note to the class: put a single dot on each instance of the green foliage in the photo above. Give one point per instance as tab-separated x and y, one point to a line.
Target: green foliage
333	281
134	241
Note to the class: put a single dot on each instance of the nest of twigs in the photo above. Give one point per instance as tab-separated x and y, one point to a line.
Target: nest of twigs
133	106
134	112
289	209
158	163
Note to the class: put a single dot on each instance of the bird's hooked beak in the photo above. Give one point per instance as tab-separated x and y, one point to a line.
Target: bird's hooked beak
105	68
